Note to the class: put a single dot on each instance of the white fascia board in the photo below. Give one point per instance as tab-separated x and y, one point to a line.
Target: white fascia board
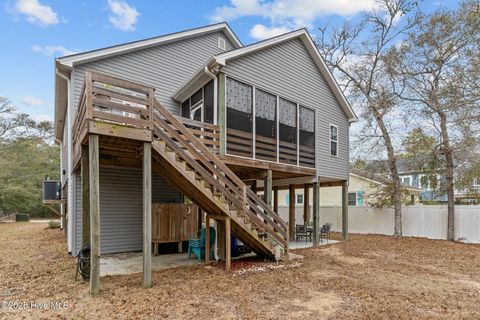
367	179
124	48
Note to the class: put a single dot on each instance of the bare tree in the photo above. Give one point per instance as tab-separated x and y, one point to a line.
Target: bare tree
436	70
14	124
355	54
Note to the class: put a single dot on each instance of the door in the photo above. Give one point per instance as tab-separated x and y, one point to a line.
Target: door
197	113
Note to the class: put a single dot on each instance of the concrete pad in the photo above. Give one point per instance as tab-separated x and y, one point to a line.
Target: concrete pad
303	245
294	256
132	262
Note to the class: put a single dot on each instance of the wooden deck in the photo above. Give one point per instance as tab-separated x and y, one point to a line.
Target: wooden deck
122	112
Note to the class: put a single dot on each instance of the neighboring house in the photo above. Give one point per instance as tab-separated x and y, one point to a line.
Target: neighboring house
194	114
432	184
363	190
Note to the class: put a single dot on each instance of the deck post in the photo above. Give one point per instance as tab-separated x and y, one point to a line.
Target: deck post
94	195
345	210
267	188
254	186
207	239
291	212
147	214
306	204
228	245
316	213
275	199
84	164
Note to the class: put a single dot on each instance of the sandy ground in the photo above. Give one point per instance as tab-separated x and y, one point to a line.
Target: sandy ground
367	277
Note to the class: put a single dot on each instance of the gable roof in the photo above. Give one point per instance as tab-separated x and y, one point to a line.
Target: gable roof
64	65
93	55
303	35
377	179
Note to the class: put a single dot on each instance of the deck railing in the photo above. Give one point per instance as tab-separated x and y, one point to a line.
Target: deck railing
240	143
127	104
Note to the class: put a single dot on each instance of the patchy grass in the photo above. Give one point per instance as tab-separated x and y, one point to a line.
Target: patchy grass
368	277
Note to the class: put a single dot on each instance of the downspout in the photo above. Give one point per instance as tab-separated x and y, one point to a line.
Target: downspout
215	122
70	225
215	90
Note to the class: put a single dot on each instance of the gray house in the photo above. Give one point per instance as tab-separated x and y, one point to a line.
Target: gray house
161	136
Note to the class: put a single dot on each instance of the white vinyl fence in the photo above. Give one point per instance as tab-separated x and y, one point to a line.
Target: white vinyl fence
418	221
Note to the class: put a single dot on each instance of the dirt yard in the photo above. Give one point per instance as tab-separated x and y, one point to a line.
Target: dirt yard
368	277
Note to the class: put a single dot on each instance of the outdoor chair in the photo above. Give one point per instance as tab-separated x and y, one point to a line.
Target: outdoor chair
301	231
197	246
325	232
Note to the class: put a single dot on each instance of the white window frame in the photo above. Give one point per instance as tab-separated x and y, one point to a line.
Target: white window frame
475	182
299	195
348	199
330	139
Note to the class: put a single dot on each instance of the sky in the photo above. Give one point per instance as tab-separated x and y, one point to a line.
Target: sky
34	32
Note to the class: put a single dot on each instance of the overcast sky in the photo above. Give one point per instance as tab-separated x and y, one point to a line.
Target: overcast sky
34	32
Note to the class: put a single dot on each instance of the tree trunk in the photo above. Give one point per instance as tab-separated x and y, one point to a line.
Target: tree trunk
447	151
392	164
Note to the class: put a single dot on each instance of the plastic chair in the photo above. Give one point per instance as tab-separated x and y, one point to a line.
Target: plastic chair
197	246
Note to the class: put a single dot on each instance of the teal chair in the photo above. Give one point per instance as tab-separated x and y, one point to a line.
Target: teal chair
197	246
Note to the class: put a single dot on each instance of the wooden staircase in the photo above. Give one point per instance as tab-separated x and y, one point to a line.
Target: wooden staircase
184	161
184	156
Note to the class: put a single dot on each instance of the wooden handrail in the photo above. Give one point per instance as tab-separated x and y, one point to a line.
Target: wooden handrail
232	184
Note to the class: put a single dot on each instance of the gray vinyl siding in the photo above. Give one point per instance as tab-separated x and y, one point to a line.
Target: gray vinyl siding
166	67
288	70
121	208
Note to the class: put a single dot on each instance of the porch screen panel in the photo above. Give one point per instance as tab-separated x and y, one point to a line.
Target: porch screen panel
208	102
265	126
239	118
287	132
186	108
307	137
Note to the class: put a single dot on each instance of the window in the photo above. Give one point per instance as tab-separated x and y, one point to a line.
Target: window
405	180
333	140
352	198
221	43
199	106
475	182
299	199
355	199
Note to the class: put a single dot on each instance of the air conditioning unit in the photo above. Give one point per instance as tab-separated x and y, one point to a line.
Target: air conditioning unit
52	191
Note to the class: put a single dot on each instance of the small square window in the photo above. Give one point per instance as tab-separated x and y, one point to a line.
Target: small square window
221	43
352	199
299	198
